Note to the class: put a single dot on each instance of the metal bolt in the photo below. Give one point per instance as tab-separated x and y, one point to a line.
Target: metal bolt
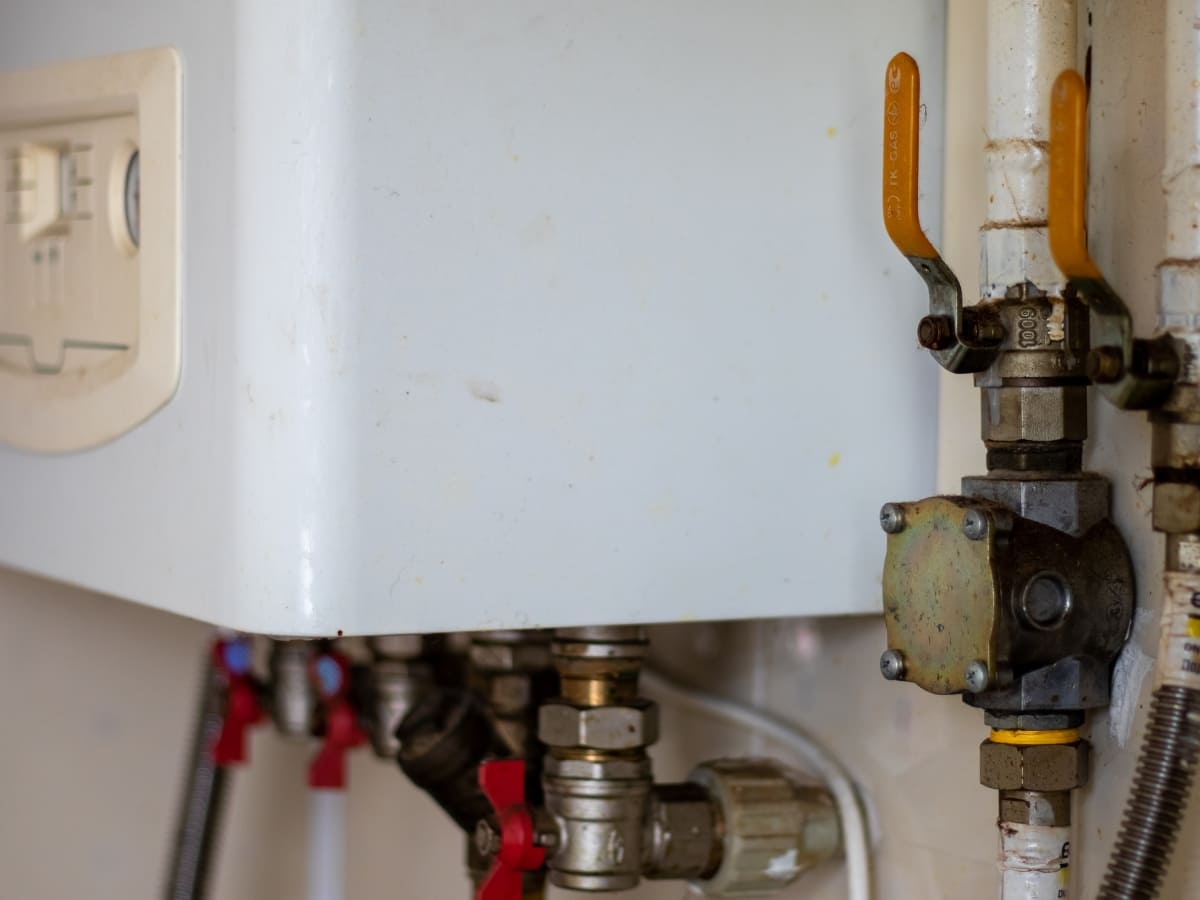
891	664
935	332
487	839
891	518
977	676
975	525
981	328
1105	365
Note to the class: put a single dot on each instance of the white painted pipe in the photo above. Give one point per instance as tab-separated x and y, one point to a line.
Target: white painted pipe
1029	43
1179	273
1034	861
327	844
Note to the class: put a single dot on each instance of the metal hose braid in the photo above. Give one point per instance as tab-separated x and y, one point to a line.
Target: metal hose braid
1160	794
203	799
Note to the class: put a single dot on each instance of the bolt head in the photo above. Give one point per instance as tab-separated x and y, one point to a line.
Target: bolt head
975	525
891	664
977	676
891	518
1105	365
935	332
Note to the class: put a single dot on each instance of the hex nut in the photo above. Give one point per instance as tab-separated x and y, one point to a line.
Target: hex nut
510	693
1176	507
625	727
1052	767
1054	413
516	657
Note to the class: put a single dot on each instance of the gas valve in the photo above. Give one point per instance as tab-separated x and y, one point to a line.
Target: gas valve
738	827
1019	593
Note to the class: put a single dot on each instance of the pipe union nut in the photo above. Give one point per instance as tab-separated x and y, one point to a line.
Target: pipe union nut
773	828
627	726
1052	767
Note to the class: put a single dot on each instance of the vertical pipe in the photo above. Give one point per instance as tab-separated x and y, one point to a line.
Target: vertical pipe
1179	273
327	844
1029	43
1171	746
203	799
1035	839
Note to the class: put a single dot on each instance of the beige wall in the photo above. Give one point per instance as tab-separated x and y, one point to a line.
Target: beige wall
99	697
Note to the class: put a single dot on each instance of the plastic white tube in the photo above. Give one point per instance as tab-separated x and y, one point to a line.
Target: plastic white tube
327	844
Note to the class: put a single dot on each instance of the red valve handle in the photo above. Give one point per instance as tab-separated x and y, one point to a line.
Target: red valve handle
242	709
330	673
503	783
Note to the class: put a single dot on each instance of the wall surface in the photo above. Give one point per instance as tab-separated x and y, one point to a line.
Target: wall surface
99	697
98	693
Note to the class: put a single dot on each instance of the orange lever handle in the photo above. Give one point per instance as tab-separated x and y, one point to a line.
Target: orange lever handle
1066	222
901	125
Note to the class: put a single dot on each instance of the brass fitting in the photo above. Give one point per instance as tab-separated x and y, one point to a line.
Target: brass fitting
599	666
596	777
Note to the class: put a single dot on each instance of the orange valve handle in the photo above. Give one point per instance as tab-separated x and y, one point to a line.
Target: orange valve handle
1068	177
901	126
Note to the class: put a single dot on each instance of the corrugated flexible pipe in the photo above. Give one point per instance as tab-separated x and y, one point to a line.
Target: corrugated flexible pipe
1161	788
203	800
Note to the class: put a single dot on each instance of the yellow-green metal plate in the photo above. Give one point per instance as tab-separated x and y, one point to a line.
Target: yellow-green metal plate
940	595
